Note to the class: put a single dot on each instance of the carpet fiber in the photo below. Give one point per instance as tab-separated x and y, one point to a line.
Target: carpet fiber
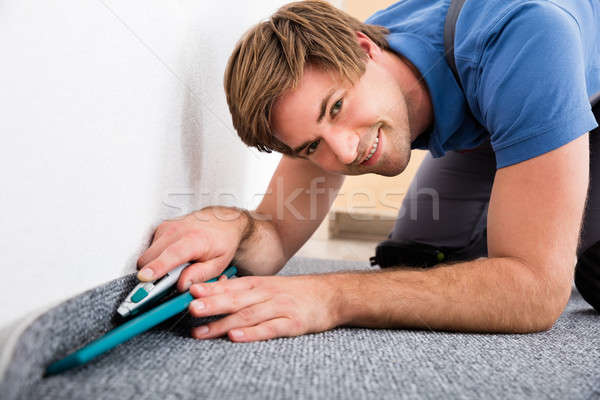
344	363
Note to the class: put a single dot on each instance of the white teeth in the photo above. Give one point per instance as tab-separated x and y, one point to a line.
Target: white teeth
373	149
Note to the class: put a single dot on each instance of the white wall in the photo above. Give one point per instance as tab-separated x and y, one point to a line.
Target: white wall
113	118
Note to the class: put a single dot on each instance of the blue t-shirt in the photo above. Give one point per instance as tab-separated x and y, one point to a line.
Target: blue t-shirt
528	69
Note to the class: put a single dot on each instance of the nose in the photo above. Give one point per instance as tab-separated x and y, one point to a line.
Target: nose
344	144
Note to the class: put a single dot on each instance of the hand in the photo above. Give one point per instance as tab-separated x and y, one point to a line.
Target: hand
208	239
265	307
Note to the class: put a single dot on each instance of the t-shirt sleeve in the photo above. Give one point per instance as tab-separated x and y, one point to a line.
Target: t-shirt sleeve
531	88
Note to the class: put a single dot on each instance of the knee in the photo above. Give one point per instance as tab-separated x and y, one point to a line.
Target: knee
407	253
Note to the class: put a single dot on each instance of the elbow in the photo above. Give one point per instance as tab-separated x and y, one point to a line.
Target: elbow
546	306
545	293
543	323
558	305
540	320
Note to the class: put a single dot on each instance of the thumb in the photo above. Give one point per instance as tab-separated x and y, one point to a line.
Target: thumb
201	272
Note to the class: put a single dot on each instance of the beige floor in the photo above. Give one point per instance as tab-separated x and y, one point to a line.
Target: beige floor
320	246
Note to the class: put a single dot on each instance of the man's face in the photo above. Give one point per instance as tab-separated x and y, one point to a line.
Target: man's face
340	123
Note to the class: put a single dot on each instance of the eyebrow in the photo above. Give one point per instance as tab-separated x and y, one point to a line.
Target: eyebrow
324	102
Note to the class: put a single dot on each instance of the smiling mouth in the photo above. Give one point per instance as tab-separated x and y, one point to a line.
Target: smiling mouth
373	149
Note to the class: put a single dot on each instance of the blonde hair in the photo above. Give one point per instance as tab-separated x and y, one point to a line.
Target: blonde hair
270	59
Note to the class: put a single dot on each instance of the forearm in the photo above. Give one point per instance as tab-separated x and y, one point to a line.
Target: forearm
485	295
259	249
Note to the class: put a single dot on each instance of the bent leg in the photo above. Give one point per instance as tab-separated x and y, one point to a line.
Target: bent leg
446	204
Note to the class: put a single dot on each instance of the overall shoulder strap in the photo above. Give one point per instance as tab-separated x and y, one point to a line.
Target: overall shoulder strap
449	29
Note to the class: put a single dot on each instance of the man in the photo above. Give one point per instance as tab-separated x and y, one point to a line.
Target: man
338	97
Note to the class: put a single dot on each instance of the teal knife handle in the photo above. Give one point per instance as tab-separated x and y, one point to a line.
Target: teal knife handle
129	329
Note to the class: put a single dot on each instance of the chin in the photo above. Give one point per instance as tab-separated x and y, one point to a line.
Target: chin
390	173
393	167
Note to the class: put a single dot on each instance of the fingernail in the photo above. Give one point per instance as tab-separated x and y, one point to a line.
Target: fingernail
198	305
145	274
237	333
200	288
186	285
202	330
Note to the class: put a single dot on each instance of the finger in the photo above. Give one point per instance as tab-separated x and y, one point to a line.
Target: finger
159	244
220	287
187	247
245	317
223	278
274	328
226	303
200	272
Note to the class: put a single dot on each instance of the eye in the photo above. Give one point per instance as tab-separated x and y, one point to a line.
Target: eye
336	107
311	148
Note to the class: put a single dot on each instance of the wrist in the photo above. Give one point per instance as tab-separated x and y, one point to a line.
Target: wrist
248	225
241	218
359	300
338	286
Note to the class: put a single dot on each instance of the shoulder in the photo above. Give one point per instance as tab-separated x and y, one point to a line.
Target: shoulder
422	18
526	78
484	24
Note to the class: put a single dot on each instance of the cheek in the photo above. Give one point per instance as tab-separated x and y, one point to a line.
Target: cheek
366	109
387	99
326	159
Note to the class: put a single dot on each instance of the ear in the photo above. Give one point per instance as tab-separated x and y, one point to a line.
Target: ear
365	42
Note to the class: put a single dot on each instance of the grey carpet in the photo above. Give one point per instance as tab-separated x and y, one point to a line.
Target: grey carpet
344	363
